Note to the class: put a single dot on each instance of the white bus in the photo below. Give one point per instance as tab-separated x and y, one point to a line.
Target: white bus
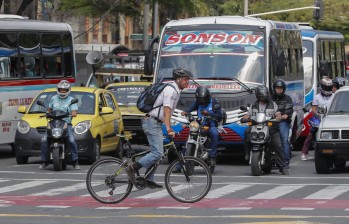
34	55
231	55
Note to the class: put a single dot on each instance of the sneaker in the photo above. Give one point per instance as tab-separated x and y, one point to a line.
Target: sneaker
153	185
43	165
212	161
285	172
304	157
76	165
131	173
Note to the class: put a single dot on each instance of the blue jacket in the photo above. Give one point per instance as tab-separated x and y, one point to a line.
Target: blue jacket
217	114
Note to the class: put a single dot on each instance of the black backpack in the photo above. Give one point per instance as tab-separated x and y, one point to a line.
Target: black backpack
146	100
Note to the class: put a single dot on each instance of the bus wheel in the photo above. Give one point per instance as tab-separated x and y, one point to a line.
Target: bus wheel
22	159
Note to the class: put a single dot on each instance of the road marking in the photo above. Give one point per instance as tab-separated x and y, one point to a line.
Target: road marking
234	208
296	209
61	190
53	206
162	193
113	208
228	189
169	207
23	186
276	192
329	192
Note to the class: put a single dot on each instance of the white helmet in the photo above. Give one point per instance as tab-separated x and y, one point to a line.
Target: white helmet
63	85
326	86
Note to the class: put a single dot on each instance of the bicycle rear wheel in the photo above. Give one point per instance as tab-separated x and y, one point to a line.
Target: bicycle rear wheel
107	181
192	188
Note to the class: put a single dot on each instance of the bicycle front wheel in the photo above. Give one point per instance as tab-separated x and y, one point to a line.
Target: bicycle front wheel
107	181
192	188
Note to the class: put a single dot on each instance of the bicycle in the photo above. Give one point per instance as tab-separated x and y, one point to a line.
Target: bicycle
108	183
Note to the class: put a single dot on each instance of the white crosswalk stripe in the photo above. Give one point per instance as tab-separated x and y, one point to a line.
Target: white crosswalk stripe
227	189
57	191
276	192
329	192
24	185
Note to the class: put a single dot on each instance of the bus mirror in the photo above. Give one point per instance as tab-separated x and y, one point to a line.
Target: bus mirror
150	56
22	109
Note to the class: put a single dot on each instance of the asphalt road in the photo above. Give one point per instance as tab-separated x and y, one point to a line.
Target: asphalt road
30	195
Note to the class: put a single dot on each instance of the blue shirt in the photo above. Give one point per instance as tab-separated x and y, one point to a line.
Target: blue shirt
57	103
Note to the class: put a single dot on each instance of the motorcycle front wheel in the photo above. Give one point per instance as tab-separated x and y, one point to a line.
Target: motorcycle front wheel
190	152
256	168
57	161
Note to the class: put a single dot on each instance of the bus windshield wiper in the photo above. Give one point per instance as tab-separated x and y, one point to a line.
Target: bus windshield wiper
233	79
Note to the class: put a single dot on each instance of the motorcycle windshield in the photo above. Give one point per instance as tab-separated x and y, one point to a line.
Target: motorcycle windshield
260	117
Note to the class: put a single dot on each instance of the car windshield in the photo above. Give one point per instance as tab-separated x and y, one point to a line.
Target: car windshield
126	95
86	104
340	103
226	53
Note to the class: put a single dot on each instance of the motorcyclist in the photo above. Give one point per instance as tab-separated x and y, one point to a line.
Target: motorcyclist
263	103
61	101
338	82
205	105
285	102
322	99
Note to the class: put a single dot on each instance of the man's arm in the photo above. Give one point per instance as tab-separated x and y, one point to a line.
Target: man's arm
167	118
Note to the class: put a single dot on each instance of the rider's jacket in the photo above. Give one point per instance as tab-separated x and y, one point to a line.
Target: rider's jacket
217	114
284	101
271	107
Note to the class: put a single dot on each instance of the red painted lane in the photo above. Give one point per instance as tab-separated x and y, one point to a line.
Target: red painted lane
32	82
169	202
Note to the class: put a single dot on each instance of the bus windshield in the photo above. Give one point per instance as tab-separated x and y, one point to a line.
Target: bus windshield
214	54
126	95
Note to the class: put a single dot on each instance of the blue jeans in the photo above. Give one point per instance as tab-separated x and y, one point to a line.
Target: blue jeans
214	135
153	130
72	144
284	127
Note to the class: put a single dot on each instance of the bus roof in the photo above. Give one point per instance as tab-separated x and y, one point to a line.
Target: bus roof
30	25
249	21
322	34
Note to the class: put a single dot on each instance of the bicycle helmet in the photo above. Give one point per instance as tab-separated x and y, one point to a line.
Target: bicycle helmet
338	82
203	95
279	83
262	93
181	73
326	86
63	89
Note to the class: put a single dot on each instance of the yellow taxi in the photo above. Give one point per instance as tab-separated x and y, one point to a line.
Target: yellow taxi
95	127
127	94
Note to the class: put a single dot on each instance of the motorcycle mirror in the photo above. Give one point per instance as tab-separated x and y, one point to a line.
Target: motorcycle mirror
217	107
305	110
243	108
75	100
40	103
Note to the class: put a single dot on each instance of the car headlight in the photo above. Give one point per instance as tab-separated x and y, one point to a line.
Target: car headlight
194	126
326	135
173	122
57	132
23	127
82	127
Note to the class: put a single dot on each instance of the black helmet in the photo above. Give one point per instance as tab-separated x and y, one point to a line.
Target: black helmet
279	83
338	82
262	93
180	73
203	95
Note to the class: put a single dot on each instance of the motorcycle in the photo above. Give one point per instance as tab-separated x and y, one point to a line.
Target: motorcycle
57	137
199	142
262	154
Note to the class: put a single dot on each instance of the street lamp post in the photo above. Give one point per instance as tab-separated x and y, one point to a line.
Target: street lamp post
245	7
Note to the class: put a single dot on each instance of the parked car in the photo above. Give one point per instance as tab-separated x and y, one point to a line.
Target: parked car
127	94
95	127
332	138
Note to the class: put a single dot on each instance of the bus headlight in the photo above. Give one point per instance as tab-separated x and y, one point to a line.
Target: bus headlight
82	127
194	126
23	127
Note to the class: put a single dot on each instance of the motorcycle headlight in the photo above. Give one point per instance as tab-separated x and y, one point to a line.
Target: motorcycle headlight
23	127
82	127
57	132
326	135
254	135
194	126
260	135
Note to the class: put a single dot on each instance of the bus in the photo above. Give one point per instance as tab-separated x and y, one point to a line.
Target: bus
323	55
231	55
34	55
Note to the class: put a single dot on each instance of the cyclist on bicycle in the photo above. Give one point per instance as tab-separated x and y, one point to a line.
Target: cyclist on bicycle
152	125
